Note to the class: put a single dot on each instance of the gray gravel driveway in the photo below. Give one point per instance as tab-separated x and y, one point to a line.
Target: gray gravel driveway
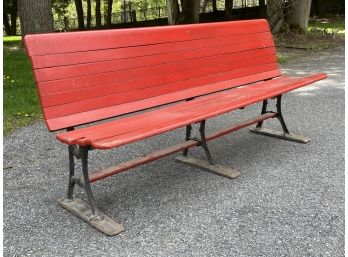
287	202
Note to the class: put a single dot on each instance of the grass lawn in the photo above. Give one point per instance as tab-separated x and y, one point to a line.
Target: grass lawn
322	34
20	99
332	25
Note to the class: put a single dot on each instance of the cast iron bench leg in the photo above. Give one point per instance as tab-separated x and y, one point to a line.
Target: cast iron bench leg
86	211
209	164
285	134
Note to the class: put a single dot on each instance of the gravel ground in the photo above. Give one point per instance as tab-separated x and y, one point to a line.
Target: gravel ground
287	202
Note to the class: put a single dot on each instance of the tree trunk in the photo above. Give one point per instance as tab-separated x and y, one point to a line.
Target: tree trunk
214	6
7	25
13	22
89	14
173	12
228	9
36	16
190	11
275	15
79	12
204	6
262	6
97	14
298	15
109	13
318	7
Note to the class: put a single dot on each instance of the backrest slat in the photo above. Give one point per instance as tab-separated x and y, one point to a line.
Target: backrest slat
107	39
72	71
56	60
91	71
168	76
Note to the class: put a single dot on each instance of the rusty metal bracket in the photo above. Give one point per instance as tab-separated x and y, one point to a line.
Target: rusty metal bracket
285	134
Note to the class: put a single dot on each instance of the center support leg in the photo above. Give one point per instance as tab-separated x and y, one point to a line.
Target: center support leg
280	115
203	142
285	134
203	164
188	136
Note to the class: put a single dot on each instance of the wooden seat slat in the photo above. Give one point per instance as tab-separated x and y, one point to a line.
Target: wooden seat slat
225	102
112	111
144	125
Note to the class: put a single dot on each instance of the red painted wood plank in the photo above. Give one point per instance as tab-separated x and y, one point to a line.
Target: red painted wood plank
177	114
164	116
71	71
53	43
54	60
95	176
234	63
252	96
56	86
149	122
100	102
112	111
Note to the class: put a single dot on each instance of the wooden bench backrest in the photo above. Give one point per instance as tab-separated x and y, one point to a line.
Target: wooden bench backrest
88	76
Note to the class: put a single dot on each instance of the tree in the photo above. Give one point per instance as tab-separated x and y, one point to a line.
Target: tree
173	12
60	7
228	9
262	5
79	12
214	6
97	14
89	14
189	13
35	16
298	15
10	13
109	13
275	15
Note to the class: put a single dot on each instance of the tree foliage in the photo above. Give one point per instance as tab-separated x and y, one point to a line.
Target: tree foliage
60	7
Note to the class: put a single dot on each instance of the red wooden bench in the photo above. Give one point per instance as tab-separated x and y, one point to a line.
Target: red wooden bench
190	73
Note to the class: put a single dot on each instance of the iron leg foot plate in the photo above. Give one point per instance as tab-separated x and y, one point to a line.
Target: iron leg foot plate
83	210
280	134
203	164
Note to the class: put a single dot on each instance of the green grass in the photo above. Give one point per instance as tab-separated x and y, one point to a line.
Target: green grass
20	98
12	41
282	58
332	25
